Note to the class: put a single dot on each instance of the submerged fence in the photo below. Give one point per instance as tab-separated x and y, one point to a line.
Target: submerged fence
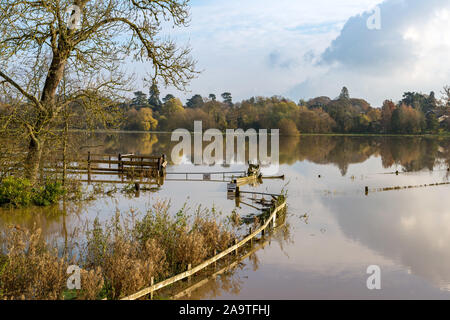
191	271
188	291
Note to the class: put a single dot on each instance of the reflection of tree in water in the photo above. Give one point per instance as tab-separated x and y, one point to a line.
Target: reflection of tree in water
56	222
412	153
338	150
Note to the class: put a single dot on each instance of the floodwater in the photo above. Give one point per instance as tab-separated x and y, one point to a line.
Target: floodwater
334	231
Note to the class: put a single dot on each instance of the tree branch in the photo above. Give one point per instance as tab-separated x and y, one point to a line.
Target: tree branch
22	91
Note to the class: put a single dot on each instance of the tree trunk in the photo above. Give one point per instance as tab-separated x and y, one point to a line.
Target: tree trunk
33	160
54	77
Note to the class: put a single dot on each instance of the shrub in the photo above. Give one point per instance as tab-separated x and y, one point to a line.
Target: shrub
92	282
30	270
18	192
49	194
118	258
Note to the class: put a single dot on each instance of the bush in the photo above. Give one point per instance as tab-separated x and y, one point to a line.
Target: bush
18	192
49	194
30	270
117	259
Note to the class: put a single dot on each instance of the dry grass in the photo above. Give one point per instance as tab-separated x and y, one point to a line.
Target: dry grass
29	269
118	258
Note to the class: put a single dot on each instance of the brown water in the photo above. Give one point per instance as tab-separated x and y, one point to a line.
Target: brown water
334	231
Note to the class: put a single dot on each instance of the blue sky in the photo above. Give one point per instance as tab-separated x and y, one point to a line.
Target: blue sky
302	48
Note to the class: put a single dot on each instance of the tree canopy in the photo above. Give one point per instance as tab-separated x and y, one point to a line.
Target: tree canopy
56	52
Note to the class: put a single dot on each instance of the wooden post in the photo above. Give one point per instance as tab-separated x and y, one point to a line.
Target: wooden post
367	191
235	243
119	166
159	166
189	269
263	232
152	282
89	167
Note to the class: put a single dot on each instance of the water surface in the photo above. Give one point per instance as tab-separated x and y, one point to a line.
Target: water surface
334	230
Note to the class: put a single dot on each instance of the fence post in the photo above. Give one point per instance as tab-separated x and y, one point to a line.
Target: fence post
119	166
89	167
152	282
159	166
189	269
263	232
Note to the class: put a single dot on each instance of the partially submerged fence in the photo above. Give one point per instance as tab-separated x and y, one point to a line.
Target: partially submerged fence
191	271
124	165
437	184
188	291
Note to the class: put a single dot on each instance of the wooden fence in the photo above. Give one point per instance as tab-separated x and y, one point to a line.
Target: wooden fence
106	164
188	291
191	271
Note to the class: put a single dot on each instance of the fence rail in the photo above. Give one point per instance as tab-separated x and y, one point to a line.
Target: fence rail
98	164
188	291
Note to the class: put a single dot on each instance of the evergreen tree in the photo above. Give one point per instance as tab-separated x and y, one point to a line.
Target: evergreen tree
154	101
345	95
168	98
139	101
195	102
227	98
432	122
430	103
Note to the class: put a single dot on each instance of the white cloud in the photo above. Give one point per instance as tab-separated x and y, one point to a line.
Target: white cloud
234	40
266	47
410	52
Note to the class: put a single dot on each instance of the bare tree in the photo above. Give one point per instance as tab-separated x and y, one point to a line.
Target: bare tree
43	44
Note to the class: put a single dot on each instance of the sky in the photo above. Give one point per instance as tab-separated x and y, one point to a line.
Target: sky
302	49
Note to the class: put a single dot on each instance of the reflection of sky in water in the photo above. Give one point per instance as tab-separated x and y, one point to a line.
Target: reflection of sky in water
405	232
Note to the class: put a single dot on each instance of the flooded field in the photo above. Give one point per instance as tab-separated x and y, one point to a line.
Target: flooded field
334	230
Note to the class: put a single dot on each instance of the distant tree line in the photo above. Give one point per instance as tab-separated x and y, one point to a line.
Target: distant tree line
416	113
